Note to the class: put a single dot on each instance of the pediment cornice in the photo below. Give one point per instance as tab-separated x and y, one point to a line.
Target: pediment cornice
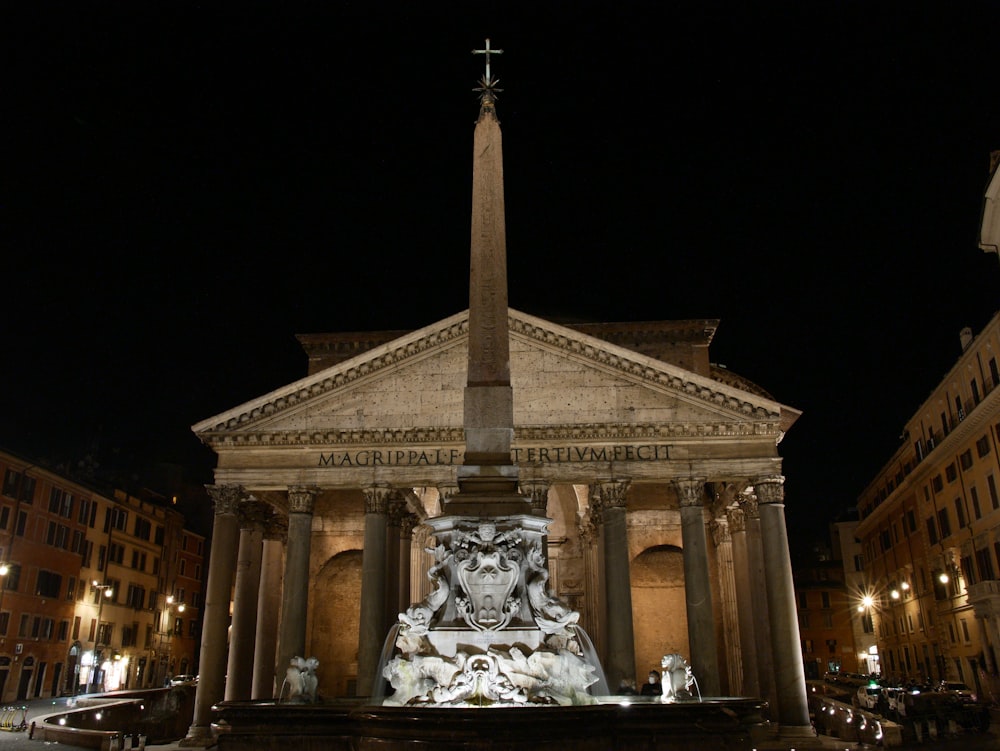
451	331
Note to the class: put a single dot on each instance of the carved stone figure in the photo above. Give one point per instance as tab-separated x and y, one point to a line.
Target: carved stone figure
301	679
677	678
551	615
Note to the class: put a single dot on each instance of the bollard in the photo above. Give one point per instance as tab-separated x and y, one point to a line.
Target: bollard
31	733
142	742
932	728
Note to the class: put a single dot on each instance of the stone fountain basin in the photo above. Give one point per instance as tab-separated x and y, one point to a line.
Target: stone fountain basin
625	723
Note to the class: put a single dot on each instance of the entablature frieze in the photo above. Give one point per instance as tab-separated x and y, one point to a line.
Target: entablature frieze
525	436
266	482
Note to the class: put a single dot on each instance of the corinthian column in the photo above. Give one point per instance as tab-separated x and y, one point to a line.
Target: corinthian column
407	521
620	662
758	589
268	608
373	576
789	674
222	563
698	586
243	632
727	589
295	589
744	601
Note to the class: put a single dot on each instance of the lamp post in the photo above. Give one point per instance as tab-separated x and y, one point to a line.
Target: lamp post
170	629
104	592
4	570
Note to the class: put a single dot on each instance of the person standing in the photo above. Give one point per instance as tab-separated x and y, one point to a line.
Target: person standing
652	687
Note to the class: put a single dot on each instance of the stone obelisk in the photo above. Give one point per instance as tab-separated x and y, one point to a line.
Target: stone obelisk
487	480
490	633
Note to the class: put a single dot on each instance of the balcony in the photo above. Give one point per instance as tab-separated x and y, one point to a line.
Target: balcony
984	596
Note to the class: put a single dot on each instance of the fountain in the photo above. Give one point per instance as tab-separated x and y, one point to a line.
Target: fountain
490	659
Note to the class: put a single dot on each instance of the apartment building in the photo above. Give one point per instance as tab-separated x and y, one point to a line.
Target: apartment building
84	602
930	529
824	612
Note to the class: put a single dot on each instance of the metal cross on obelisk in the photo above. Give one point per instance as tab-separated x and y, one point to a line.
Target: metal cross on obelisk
487	86
487	52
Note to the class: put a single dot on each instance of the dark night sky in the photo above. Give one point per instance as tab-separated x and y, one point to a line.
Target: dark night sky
188	185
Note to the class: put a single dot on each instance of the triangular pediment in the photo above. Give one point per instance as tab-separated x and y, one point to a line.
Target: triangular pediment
563	380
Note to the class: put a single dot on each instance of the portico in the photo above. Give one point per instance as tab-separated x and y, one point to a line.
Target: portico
631	457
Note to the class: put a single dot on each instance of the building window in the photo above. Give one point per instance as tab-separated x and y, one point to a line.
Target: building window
825	596
136	596
19	486
984	562
976	509
143	528
49	584
960	512
937	483
63	630
116	553
950	473
983	446
944	523
966	459
115	518
13	578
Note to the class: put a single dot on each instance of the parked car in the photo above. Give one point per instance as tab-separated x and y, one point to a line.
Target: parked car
959	690
890	699
183	680
868	696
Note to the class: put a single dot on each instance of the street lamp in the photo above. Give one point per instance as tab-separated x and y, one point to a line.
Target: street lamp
4	570
105	591
170	627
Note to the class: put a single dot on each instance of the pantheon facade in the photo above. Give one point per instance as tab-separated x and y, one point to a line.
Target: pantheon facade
660	473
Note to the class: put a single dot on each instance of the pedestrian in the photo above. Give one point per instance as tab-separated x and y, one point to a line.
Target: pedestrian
653	687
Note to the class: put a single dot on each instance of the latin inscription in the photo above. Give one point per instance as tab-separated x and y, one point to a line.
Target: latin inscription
542	455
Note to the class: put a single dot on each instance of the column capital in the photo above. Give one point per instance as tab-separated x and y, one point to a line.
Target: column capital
587	527
720	531
407	523
276	528
770	489
690	492
377	498
226	498
396	509
737	519
537	491
253	513
610	492
301	498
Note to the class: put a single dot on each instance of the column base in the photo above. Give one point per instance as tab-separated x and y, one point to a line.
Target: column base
198	736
